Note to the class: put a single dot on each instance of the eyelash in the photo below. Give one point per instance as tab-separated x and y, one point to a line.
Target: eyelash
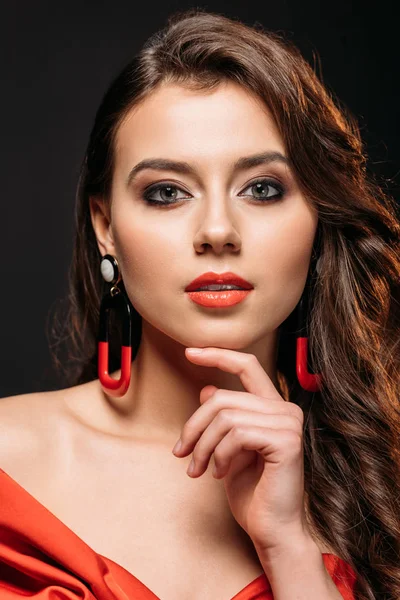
267	200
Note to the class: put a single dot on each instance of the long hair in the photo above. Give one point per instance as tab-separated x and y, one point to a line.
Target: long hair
352	426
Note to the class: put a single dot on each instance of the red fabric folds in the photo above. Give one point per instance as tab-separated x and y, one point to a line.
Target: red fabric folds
41	558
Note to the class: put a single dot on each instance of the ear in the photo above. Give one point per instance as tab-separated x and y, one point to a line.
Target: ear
101	222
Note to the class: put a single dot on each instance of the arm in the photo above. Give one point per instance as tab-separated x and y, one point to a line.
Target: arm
296	571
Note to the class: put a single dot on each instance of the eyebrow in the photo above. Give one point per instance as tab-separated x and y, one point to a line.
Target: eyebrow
164	164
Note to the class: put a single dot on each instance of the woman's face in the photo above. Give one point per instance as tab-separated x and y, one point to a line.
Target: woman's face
221	219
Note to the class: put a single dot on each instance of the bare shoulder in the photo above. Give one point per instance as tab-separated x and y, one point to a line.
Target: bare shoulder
32	428
26	424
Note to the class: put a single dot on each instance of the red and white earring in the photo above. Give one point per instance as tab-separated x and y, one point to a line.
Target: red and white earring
311	382
117	300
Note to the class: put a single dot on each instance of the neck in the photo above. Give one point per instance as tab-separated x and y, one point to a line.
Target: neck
165	386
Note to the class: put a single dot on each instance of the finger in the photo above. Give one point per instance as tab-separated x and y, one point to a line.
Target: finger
253	377
274	445
225	399
207	392
228	419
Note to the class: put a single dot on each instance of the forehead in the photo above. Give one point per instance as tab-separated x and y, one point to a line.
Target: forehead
174	120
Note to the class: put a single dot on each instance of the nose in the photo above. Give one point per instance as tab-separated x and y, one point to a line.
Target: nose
217	227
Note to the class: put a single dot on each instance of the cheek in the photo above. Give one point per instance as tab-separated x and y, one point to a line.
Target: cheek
151	264
146	254
286	260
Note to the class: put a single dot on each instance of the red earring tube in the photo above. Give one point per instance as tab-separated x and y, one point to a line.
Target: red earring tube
115	387
308	381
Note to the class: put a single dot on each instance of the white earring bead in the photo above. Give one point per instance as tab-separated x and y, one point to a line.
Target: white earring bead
107	270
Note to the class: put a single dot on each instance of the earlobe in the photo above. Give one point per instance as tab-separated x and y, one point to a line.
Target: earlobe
101	224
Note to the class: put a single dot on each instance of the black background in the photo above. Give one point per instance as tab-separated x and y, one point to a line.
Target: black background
58	59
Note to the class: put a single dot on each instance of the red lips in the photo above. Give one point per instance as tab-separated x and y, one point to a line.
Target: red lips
211	278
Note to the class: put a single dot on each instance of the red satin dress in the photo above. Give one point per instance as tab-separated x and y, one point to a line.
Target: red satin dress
41	558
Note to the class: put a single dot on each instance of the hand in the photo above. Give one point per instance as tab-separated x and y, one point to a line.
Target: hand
257	441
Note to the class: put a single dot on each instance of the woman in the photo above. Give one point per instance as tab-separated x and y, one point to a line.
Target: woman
217	151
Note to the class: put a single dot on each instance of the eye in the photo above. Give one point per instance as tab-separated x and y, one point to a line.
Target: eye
169	195
168	192
261	186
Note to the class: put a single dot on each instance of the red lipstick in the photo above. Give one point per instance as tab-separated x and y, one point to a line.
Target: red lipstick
221	298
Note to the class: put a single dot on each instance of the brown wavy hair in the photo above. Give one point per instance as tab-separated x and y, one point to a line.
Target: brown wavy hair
352	426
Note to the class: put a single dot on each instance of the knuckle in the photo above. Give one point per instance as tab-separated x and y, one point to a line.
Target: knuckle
251	358
296	411
225	416
294	441
297	426
217	395
238	431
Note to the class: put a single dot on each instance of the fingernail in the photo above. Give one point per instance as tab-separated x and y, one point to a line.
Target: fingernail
191	467
177	446
195	350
